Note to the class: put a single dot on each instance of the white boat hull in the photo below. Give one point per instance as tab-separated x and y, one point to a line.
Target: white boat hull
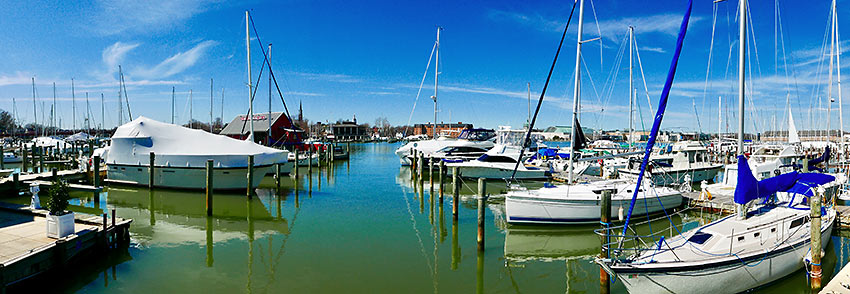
187	177
733	278
532	210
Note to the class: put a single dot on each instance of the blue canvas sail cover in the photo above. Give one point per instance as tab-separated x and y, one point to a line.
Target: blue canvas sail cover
749	188
823	158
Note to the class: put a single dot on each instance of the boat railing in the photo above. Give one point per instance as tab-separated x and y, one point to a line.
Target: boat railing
646	237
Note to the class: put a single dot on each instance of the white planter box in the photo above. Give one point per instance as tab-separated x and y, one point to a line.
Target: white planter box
59	226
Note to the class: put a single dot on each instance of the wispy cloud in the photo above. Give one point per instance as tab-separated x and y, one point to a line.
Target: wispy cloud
304	94
18	78
653	49
111	17
341	78
666	23
113	56
177	63
382	93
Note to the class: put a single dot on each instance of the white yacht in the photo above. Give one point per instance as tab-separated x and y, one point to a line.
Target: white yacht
469	139
499	163
579	203
181	155
687	159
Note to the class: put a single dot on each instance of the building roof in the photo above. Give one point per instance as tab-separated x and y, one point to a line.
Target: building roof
239	125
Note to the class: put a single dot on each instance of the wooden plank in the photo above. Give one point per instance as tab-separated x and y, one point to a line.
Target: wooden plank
78	187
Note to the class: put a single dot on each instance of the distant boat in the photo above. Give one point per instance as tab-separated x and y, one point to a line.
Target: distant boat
472	142
181	155
499	163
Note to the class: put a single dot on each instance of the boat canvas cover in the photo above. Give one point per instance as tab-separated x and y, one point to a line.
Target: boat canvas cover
749	188
179	146
78	137
48	142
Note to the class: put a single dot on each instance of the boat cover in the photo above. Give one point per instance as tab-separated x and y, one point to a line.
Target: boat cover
179	146
749	188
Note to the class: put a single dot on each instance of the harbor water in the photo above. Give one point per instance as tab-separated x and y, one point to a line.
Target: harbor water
358	226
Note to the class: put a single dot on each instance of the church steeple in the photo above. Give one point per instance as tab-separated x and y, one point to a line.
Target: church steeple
300	113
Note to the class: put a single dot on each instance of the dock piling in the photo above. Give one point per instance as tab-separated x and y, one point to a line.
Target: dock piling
310	160
455	191
24	162
482	198
441	176
16	182
2	158
277	176
431	173
815	216
209	186
250	175
805	164
151	170
96	174
295	167
41	159
605	219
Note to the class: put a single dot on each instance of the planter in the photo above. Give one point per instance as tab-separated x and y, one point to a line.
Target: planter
59	226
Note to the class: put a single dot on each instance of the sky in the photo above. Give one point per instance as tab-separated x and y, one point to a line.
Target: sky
341	59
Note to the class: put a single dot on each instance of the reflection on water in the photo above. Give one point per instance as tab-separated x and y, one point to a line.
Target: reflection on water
358	226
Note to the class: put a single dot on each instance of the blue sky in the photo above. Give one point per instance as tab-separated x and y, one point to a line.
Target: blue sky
366	58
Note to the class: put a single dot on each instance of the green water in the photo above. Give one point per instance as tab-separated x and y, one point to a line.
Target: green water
360	226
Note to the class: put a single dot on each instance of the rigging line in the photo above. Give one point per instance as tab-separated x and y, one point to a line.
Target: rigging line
421	83
710	54
643	76
127	99
662	105
611	81
598	31
595	92
271	72
785	62
543	94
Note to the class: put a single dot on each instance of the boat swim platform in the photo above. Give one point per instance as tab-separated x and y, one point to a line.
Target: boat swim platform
26	252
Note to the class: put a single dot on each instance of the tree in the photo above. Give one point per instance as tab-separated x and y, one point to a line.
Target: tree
7	122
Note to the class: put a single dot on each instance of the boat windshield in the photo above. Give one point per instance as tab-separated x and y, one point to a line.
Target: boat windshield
476	134
496	158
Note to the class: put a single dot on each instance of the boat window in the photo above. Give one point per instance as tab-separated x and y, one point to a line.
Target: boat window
756	234
797	222
497	159
741	238
699	238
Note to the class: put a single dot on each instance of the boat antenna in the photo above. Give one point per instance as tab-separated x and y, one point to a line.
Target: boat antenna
525	142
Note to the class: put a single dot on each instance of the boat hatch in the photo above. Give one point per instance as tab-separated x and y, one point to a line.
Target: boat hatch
699	238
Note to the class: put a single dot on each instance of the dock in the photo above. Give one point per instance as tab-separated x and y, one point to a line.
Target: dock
26	252
839	284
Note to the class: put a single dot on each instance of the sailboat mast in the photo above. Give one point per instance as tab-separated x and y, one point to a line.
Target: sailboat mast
631	83
172	105
838	71
250	87
719	116
211	106
191	116
120	102
53	119
576	89
34	112
88	114
831	64
102	113
269	118
742	41
436	77
528	88
73	106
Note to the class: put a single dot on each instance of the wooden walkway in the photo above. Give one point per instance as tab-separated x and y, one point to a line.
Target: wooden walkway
840	283
25	251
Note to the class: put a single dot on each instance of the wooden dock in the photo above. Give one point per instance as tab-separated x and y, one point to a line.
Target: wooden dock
839	284
26	252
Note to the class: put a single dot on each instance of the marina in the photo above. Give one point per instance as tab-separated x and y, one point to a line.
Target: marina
547	147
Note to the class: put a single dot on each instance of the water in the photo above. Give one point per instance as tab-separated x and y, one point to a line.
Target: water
358	227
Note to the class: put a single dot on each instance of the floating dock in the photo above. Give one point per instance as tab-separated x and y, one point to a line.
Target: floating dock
26	252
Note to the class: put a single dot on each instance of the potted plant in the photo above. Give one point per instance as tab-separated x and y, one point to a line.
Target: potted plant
60	222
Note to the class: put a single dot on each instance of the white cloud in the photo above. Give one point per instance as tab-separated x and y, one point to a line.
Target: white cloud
304	94
114	54
18	79
177	63
341	78
666	23
653	49
111	17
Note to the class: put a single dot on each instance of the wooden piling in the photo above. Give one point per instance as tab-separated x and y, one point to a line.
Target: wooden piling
209	186
16	182
441	176
805	164
2	158
605	220
816	248
41	159
96	175
151	170
54	175
277	176
482	198
431	173
455	191
295	168
420	167
24	162
250	175
310	160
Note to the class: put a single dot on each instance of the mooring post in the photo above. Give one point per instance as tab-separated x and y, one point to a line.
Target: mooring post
420	167
16	182
96	174
151	170
431	172
41	159
113	217
209	186
310	160
295	166
54	175
441	176
277	176
482	198
455	191
24	161
250	175
815	205
2	158
605	220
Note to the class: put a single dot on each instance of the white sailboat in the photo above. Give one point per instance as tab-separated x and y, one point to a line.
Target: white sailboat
754	247
578	203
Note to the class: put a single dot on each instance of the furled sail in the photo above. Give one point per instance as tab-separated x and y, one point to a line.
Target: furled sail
793	137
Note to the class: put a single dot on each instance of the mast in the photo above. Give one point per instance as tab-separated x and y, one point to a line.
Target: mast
829	88
838	71
631	82
269	119
211	106
34	112
191	116
53	119
742	45
436	76
172	105
528	87
73	106
576	89
102	113
120	103
719	117
250	87
88	113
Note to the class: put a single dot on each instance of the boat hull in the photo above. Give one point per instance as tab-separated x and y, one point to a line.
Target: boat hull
532	210
734	277
499	173
187	177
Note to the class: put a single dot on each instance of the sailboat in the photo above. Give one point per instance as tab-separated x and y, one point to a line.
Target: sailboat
760	244
473	142
578	203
